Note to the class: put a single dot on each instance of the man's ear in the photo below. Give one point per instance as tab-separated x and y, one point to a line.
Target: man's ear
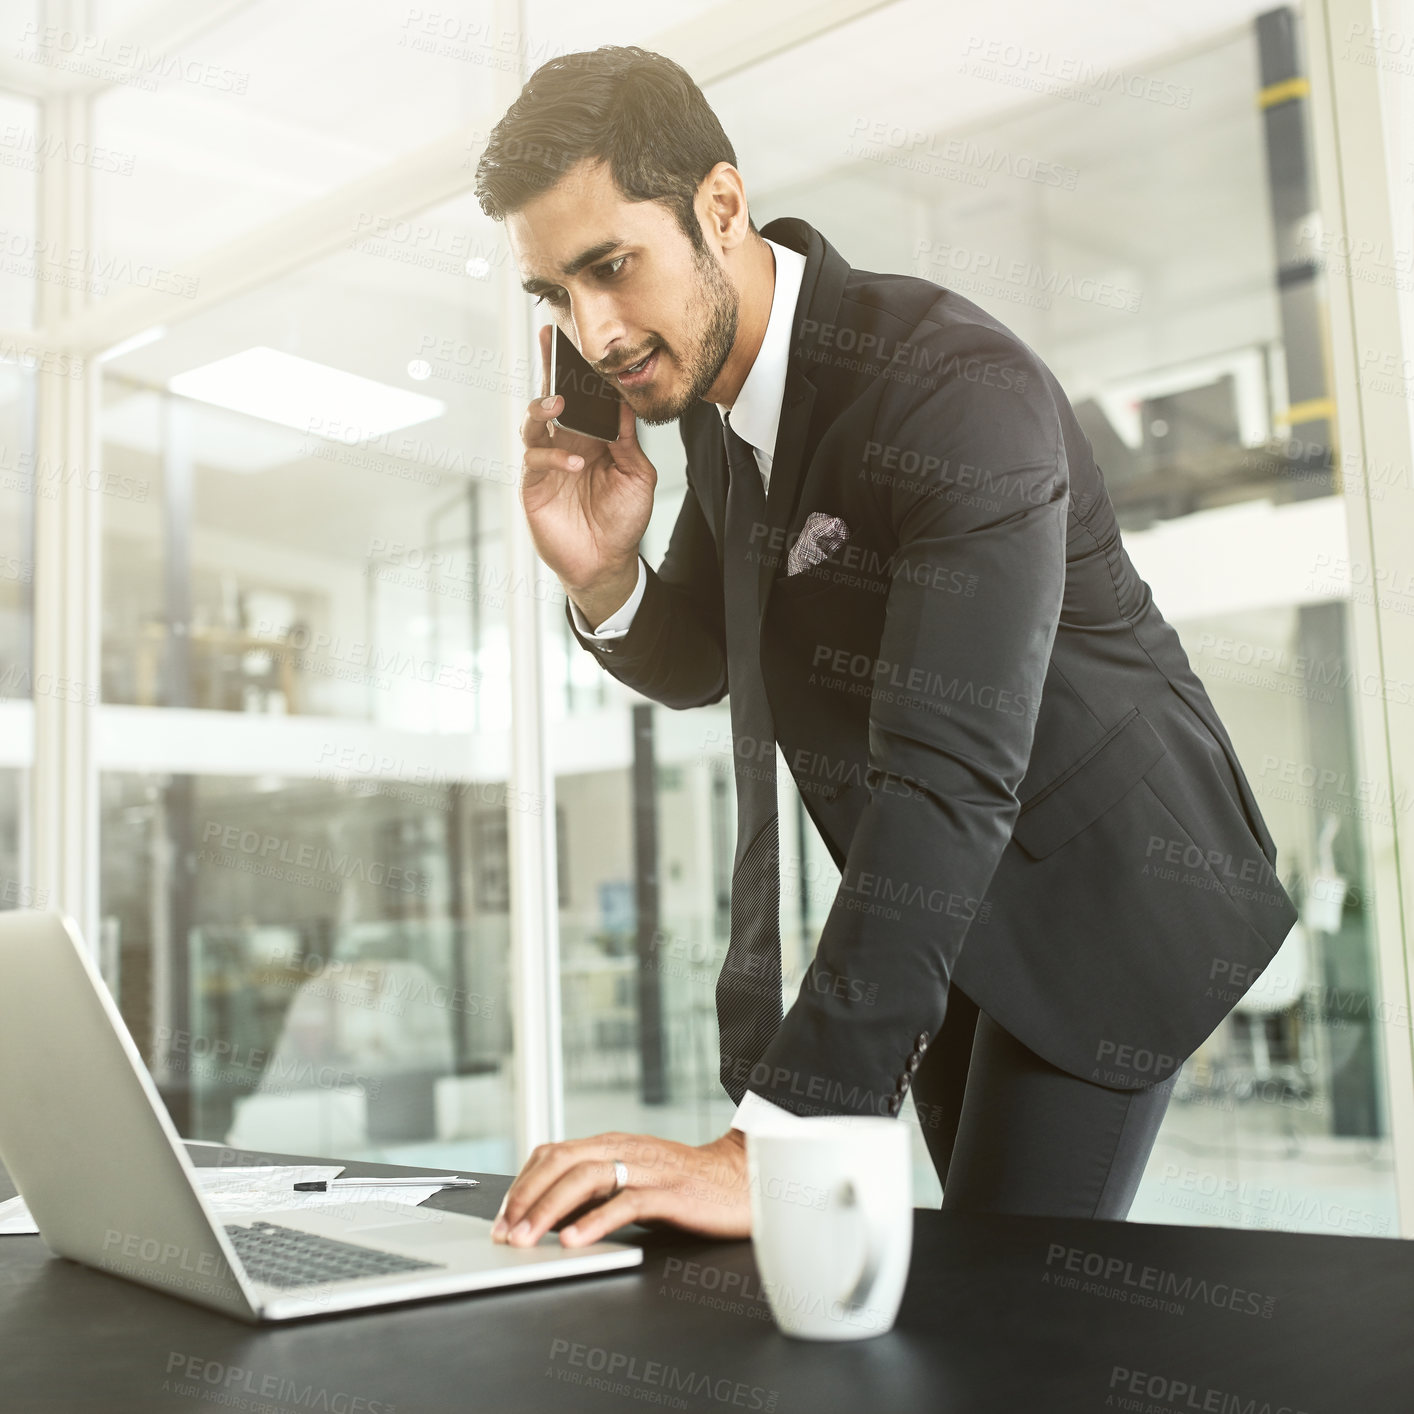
724	212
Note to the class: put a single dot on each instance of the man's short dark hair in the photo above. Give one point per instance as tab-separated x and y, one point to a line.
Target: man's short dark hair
634	109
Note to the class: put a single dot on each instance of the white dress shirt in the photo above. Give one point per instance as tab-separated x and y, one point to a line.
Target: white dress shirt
756	415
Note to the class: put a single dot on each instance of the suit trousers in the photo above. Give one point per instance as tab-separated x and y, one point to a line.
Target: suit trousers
1008	1132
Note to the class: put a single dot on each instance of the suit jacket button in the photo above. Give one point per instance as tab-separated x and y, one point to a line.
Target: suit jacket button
902	1084
920	1041
895	1104
913	1062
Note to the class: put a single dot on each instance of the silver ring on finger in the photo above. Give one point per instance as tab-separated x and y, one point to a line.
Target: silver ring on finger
620	1176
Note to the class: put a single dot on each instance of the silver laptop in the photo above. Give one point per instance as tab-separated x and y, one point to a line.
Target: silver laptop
93	1152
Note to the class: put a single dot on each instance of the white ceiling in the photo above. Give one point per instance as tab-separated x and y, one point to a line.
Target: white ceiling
336	90
332	92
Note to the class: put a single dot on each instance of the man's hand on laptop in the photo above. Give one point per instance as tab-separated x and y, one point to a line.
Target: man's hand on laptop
702	1188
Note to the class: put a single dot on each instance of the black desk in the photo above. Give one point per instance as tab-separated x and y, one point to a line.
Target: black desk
992	1320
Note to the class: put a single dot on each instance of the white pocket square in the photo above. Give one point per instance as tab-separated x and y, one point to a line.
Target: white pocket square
819	538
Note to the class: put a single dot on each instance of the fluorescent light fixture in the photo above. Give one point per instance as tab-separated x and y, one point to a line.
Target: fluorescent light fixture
136	341
297	392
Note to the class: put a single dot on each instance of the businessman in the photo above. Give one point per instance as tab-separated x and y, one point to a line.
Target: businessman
898	558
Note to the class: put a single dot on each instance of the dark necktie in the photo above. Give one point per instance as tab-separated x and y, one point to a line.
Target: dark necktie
749	986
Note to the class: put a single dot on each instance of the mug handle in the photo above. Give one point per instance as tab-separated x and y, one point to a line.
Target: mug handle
876	1234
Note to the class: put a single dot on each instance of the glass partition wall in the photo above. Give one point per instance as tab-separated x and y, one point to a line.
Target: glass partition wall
20	480
304	623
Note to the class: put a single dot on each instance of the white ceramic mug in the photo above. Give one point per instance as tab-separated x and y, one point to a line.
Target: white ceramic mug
832	1223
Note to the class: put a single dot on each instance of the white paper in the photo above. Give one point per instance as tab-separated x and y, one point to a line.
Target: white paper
14	1217
231	1192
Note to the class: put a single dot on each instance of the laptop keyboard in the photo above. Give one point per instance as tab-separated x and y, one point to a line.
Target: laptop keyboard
285	1256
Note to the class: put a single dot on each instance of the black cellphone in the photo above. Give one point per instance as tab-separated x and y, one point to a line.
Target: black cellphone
591	402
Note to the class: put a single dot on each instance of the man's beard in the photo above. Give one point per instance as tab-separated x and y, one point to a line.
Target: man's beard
714	307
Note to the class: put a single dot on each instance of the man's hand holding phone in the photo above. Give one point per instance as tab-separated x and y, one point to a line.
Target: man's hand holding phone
587	501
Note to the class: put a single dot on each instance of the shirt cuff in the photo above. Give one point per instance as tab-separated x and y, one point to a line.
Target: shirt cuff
617	624
758	1115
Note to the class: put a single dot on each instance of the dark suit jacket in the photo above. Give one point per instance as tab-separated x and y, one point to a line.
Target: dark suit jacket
999	737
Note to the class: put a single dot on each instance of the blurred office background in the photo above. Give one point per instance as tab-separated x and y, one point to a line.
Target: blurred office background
337	786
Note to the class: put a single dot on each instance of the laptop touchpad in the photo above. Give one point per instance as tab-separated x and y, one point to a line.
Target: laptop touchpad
458	1228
